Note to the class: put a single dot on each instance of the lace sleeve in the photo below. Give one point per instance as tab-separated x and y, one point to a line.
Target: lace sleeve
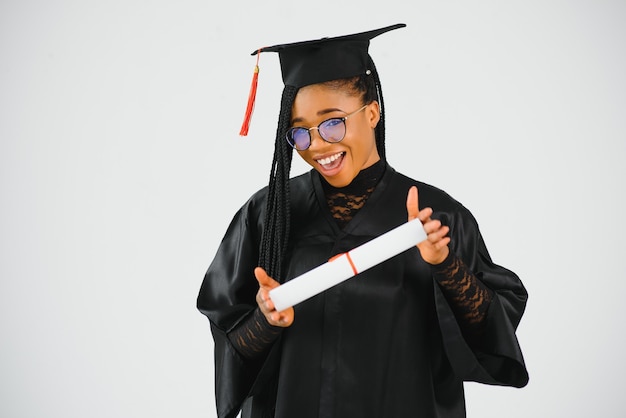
468	296
254	336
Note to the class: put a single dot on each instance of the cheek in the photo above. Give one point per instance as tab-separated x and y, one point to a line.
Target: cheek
362	144
304	155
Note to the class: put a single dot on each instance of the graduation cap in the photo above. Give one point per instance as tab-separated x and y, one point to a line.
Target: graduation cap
317	61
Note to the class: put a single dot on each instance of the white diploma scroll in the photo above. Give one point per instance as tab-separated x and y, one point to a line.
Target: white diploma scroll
346	265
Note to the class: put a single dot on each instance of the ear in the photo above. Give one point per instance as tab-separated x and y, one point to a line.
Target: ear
373	113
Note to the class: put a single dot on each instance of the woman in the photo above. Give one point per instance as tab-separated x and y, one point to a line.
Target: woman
398	339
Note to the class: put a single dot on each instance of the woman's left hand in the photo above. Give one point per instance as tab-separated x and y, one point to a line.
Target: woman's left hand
435	248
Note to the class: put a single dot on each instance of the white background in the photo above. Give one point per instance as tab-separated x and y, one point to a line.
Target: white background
121	166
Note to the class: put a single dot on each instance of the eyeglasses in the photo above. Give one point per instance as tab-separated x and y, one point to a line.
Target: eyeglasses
331	130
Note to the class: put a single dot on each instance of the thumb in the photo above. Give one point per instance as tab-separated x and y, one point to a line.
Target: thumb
262	277
412	203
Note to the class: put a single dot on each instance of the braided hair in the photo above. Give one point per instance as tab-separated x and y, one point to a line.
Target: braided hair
277	211
275	237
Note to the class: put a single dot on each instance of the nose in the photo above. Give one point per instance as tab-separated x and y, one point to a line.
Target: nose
316	138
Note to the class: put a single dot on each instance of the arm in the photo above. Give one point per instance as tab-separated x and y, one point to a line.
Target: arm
491	354
253	337
227	298
469	298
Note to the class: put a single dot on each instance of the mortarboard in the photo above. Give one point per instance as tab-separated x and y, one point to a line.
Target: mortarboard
317	61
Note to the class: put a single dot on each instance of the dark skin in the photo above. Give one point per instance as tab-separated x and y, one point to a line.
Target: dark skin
357	151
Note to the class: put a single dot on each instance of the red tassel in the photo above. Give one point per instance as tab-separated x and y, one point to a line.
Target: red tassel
251	99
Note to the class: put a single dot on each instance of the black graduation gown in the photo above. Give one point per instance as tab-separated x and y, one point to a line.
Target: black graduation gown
384	343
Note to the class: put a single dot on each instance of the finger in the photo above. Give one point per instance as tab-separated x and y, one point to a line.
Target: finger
277	317
425	214
284	320
442	243
263	279
438	233
269	305
262	295
261	276
264	301
412	203
432	226
438	240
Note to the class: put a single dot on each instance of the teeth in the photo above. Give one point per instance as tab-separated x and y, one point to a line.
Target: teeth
328	160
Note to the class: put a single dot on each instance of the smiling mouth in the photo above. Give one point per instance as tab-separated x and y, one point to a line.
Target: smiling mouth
332	161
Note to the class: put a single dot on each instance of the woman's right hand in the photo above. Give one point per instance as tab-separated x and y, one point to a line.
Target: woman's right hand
266	283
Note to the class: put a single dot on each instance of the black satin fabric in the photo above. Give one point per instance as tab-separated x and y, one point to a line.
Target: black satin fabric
384	343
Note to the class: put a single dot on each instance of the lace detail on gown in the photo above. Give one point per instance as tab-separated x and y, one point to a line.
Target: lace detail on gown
344	206
345	202
468	296
254	335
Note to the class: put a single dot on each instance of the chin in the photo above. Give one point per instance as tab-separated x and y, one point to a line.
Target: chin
338	181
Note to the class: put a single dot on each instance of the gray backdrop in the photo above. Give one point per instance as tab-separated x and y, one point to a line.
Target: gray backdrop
121	166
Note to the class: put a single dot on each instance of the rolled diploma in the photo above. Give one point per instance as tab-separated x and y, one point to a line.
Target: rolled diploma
346	265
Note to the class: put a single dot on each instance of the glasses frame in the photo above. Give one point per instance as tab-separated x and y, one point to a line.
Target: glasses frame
342	119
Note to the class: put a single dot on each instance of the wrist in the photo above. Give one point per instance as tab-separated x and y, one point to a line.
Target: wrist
443	260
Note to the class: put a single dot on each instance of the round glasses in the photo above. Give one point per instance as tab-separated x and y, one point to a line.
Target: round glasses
331	130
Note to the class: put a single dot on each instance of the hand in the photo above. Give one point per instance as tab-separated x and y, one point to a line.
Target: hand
266	283
435	248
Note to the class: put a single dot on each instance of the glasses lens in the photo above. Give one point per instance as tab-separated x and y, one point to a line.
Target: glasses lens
333	130
299	138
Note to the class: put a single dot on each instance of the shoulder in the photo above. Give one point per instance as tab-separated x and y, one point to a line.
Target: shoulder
256	202
446	208
464	228
301	181
429	195
300	188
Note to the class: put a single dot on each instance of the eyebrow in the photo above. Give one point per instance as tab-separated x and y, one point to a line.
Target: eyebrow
319	113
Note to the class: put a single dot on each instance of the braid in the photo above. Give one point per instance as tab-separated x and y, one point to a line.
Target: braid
380	128
277	208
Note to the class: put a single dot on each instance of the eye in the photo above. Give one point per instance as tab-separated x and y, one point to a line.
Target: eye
333	130
332	123
300	138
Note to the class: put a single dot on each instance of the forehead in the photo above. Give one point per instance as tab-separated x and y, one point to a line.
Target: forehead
319	98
